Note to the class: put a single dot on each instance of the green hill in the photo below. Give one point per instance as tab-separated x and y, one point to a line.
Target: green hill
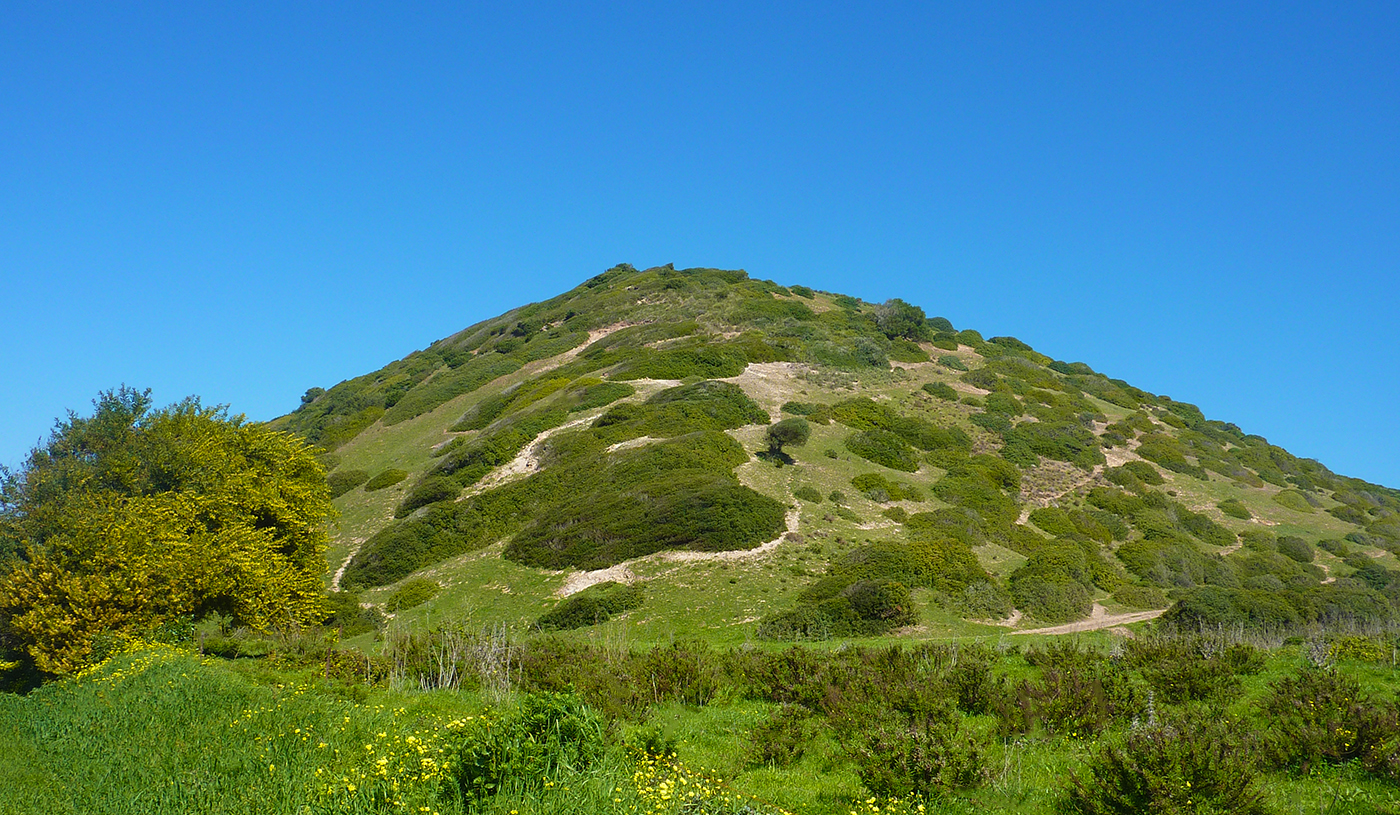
950	484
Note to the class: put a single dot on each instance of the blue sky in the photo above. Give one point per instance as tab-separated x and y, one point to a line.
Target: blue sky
243	202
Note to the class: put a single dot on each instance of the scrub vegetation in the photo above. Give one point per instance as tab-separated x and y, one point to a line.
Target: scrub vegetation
679	540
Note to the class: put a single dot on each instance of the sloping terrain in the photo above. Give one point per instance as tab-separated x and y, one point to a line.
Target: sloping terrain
948	483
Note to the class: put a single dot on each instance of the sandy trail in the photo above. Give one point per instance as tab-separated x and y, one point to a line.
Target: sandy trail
355	544
1099	618
622	572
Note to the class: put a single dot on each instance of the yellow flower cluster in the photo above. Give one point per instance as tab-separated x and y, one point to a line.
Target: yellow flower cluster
665	785
147	654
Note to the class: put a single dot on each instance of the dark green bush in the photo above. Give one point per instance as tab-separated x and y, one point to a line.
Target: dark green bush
952	362
1320	715
1196	762
594	605
942	390
708	405
430	490
807	493
892	490
782	738
916	756
1294	500
385	478
981	378
1141	596
1235	509
414	592
1296	548
343	481
884	448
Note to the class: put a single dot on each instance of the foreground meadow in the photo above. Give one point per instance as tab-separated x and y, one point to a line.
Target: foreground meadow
549	725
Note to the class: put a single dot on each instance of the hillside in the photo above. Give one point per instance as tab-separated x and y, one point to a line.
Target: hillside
602	458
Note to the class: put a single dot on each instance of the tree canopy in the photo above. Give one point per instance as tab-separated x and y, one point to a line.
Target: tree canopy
132	517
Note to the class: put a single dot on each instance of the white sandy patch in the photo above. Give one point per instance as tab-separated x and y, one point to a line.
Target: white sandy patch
1098	618
578	581
770	384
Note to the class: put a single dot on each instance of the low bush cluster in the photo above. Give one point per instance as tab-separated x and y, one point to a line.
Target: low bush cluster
594	605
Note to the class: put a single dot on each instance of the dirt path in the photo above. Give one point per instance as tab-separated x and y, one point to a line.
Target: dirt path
622	572
1099	618
355	544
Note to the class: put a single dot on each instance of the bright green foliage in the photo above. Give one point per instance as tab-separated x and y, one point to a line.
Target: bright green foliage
1294	500
594	605
1235	509
135	516
528	745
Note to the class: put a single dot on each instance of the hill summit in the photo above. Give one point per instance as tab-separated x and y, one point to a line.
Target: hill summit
692	451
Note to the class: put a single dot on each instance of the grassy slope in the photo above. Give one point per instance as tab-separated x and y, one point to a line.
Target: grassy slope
720	600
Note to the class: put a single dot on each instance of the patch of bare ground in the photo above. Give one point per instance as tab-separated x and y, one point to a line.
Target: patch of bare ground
576	582
770	384
622	572
640	441
1327	570
1099	618
526	462
355	544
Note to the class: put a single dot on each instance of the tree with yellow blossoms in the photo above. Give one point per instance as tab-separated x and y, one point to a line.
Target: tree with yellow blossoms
134	516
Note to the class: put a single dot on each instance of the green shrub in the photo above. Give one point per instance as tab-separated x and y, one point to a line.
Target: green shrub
942	390
343	481
1195	762
525	746
1320	715
347	615
410	593
802	291
386	478
430	490
1296	548
884	448
807	493
902	350
981	378
708	405
1141	596
1292	499
1235	509
1134	473
951	362
891	490
782	738
902	757
595	604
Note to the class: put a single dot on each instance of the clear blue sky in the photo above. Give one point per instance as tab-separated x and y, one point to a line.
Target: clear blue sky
241	201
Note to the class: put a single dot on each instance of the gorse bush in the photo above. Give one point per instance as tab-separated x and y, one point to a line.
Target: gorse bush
1191	763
